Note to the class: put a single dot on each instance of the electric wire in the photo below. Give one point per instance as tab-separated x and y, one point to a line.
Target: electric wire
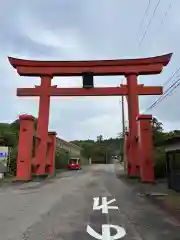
163	20
175	82
172	76
168	91
169	79
144	16
149	24
168	94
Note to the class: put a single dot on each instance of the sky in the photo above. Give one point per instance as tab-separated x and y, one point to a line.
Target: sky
87	30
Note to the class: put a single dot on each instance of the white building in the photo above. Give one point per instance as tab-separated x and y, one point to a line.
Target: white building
74	150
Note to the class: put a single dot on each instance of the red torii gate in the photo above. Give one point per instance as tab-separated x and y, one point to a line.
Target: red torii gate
130	68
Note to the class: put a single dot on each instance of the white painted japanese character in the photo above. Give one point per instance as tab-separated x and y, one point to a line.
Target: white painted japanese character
104	206
120	232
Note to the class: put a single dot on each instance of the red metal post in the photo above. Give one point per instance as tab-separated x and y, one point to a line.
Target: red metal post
133	111
42	125
51	153
146	148
25	147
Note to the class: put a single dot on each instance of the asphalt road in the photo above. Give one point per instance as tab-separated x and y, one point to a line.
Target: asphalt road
76	206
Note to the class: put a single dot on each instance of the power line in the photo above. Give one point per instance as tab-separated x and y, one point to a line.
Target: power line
172	90
163	19
166	93
166	82
144	16
169	79
149	24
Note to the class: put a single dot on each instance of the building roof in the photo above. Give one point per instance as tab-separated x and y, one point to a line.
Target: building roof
172	140
69	144
171	144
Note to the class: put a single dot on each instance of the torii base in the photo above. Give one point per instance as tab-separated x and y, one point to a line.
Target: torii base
23	172
39	178
27	165
146	149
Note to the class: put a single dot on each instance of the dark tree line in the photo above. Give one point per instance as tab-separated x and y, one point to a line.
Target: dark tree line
100	150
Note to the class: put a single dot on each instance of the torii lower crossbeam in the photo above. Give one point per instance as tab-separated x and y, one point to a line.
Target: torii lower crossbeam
100	91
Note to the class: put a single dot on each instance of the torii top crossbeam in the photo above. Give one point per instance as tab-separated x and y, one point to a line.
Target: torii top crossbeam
141	66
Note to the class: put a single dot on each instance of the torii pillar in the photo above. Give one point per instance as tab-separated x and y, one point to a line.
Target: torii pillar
146	148
26	134
134	90
133	111
42	124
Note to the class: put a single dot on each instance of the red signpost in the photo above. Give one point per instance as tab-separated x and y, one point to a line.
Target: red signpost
130	68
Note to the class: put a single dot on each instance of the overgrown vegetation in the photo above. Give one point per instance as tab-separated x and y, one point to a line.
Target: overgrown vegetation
61	158
159	137
100	150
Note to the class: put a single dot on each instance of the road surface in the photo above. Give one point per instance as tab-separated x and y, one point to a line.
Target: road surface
62	208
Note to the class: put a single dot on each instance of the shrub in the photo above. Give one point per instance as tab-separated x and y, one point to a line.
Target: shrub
160	163
61	159
13	161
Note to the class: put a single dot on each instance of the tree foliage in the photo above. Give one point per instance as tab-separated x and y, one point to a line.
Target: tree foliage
159	137
100	150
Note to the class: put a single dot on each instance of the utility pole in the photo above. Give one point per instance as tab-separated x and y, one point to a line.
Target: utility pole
106	155
123	131
123	118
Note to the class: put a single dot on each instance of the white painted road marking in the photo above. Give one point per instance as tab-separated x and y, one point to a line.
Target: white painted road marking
104	206
120	232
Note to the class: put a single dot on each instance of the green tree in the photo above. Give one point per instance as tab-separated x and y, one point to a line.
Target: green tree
99	138
157	126
174	133
159	135
99	151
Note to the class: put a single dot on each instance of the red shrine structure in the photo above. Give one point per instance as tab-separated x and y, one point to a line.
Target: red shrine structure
138	141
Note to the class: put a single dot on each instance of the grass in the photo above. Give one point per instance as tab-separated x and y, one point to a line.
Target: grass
7	179
173	199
